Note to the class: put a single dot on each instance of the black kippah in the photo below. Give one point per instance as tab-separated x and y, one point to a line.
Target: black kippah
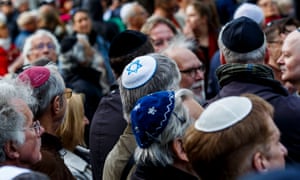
67	43
126	42
242	35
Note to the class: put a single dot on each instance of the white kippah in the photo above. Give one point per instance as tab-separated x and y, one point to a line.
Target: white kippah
223	113
138	72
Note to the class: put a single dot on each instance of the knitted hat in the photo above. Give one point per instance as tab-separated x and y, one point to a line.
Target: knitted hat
36	75
151	115
242	35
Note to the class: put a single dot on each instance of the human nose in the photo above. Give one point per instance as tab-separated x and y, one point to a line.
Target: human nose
199	74
284	150
280	60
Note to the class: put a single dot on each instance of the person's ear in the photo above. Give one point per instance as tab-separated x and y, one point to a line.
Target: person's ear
222	58
56	104
179	150
259	162
10	149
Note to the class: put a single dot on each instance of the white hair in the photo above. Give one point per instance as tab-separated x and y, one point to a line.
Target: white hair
39	33
127	11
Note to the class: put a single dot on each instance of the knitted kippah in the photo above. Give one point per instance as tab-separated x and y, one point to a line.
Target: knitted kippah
151	115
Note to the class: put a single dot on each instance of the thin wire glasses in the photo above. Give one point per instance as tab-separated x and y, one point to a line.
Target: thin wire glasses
36	126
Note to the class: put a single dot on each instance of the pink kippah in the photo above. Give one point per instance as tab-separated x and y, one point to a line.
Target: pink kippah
36	75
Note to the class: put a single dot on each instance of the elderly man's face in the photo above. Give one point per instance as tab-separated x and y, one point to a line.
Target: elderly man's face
189	66
289	61
42	47
29	152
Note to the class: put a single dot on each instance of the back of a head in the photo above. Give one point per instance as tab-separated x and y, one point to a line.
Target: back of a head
242	121
251	11
145	75
71	130
242	41
121	52
46	82
155	131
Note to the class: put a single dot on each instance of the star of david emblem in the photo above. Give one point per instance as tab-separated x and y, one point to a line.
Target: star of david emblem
134	67
152	110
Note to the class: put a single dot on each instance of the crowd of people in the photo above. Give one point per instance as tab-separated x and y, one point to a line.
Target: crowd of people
149	89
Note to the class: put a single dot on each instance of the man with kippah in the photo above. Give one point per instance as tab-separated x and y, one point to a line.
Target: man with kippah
108	122
242	46
49	89
159	122
143	75
234	136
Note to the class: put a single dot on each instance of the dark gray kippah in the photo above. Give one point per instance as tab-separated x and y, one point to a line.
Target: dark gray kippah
243	35
126	42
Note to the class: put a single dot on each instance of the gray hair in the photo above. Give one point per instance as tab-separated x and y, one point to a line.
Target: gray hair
179	41
167	77
24	18
127	11
255	56
161	154
11	119
39	33
45	93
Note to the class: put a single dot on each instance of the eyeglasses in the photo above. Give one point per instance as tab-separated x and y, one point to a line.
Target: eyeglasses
68	93
36	126
193	71
41	46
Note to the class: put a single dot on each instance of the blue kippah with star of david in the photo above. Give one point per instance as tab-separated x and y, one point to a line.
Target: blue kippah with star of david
150	116
138	72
